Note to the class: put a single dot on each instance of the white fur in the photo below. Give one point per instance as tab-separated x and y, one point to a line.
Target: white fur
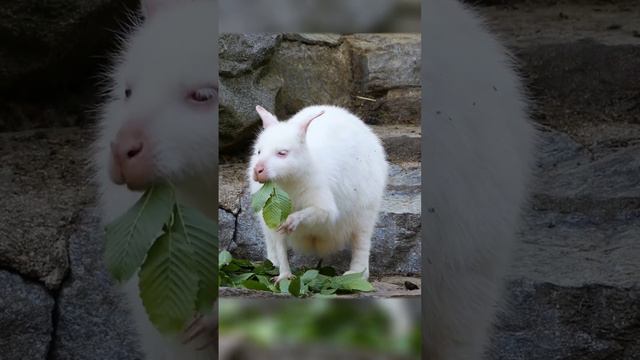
335	177
161	61
478	155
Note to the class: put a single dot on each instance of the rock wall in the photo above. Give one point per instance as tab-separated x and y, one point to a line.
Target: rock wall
375	75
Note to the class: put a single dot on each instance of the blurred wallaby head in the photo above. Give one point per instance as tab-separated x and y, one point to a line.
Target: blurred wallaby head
159	122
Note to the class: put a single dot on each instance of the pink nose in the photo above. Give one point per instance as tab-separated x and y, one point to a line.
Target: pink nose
260	173
130	159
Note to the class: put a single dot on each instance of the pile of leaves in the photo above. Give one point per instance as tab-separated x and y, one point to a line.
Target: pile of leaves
173	250
321	281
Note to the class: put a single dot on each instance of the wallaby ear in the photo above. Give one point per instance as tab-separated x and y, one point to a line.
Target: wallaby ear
151	7
306	123
268	118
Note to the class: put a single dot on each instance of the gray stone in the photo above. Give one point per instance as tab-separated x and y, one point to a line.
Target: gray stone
402	143
574	290
243	53
226	229
315	39
396	242
582	226
547	321
396	106
26	318
92	321
384	62
312	75
238	99
44	184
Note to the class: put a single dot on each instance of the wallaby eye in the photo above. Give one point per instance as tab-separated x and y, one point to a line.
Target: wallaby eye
127	93
258	152
203	95
283	153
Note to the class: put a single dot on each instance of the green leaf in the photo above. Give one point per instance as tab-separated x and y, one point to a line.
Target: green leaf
328	291
308	276
255	285
260	197
130	236
319	282
294	287
284	286
169	282
266	282
201	235
224	258
239	279
276	209
352	282
274	203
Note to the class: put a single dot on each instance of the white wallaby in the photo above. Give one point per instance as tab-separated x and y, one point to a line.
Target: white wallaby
158	122
334	169
478	156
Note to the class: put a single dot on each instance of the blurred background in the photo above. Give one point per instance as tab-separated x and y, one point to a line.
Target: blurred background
318	329
312	16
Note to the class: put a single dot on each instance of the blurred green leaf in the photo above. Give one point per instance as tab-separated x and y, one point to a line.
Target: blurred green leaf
309	276
224	258
130	236
284	285
169	283
294	286
255	285
201	236
174	249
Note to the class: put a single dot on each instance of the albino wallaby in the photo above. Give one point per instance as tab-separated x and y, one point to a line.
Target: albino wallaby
334	169
158	122
478	156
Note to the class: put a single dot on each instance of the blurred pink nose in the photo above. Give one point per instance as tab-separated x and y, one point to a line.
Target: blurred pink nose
130	160
260	173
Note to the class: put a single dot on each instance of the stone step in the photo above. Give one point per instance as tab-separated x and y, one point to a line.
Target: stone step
573	286
548	321
401	142
581	60
396	243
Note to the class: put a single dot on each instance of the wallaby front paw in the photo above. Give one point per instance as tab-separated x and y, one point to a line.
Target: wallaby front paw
277	279
365	274
291	224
